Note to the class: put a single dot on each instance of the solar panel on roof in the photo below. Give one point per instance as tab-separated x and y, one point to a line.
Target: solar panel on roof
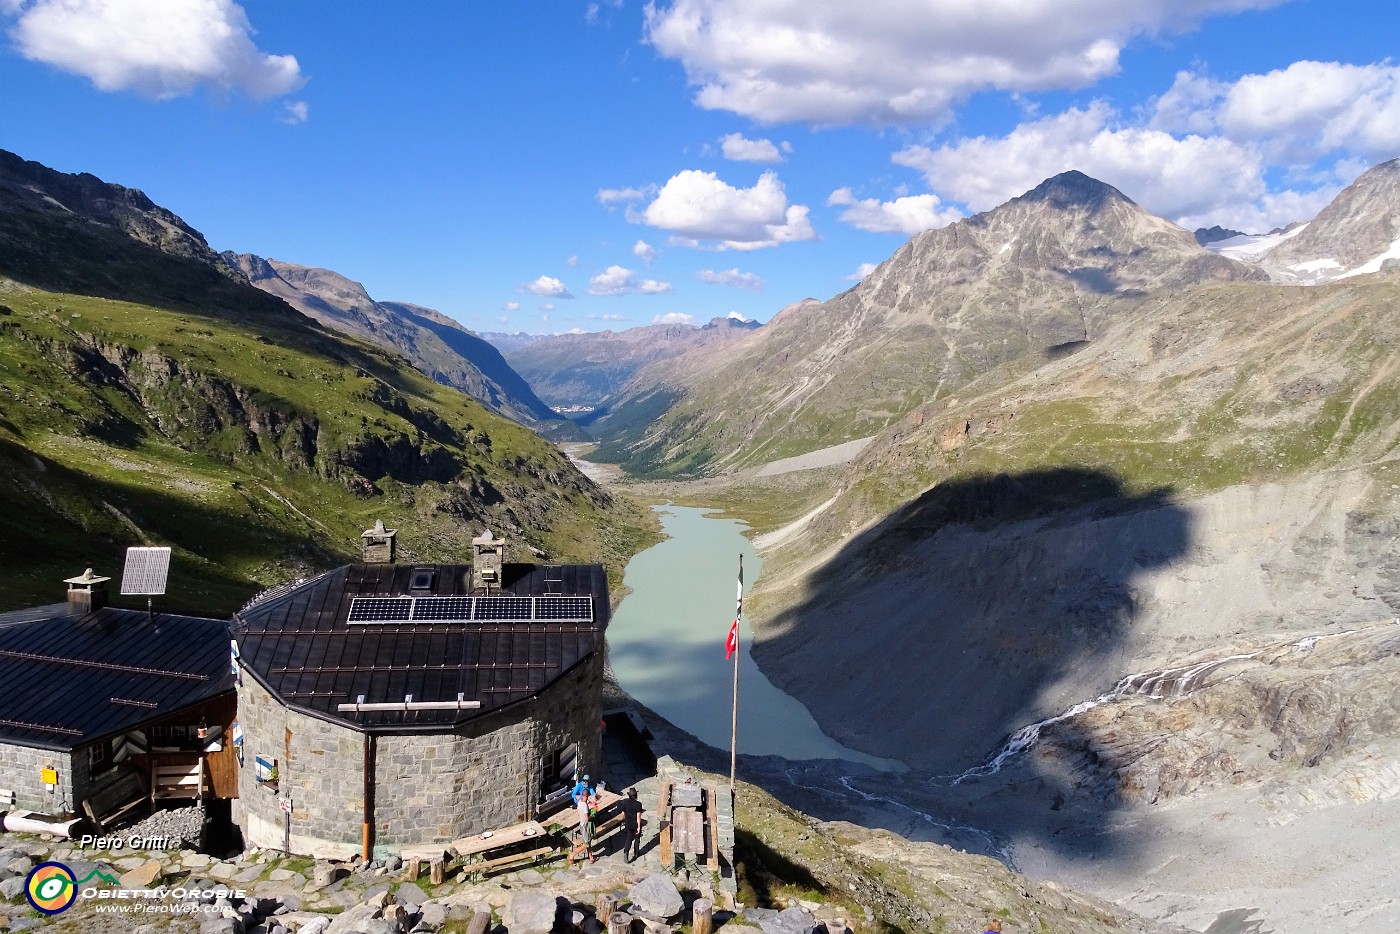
369	610
438	609
564	609
146	571
379	610
504	609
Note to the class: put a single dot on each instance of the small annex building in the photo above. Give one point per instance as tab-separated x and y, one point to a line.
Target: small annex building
384	706
105	706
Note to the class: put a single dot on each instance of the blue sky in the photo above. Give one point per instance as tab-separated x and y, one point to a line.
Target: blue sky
553	165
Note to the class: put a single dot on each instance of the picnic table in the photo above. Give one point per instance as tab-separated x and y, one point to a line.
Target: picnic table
686	839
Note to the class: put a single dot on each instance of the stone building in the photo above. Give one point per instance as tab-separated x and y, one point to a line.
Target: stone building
384	706
94	696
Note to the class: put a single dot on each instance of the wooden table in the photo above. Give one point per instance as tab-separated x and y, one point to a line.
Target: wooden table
506	836
688	832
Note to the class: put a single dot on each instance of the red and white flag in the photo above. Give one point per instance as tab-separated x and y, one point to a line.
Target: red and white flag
731	645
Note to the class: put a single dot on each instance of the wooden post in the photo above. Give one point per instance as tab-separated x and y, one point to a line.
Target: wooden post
607	904
435	870
702	916
619	922
712	838
479	923
413	868
663	814
734	713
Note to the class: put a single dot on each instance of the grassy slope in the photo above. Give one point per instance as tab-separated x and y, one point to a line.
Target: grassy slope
158	450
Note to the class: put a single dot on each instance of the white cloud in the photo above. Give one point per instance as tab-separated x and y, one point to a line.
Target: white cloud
294	112
611	196
575	331
161	50
738	317
644	251
1295	114
546	306
548	287
1182	179
617	280
674	317
1183	162
732	278
697	206
610	317
512	306
571	261
900	61
907	215
738	149
863	270
502	319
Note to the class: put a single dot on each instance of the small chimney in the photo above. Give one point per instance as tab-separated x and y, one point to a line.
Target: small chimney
488	560
86	593
378	544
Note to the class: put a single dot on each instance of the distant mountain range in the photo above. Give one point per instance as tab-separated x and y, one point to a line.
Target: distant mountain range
1050	269
587	370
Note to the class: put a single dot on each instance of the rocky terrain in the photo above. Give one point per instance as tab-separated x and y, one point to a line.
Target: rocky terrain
797	876
1124	599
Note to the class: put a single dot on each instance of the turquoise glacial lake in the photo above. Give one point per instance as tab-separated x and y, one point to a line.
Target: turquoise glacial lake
666	644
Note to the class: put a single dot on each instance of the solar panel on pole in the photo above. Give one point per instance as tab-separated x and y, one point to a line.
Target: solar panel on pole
146	571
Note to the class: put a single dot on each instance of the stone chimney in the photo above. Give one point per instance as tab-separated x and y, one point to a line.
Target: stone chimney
488	561
86	593
378	544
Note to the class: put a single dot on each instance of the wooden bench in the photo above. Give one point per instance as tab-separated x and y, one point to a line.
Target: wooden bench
116	800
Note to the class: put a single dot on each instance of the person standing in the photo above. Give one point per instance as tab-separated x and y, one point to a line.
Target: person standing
632	812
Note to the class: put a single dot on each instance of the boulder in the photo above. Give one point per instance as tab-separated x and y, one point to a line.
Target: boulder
12	888
323	874
432	915
142	876
531	911
656	895
790	921
220	926
354	919
410	896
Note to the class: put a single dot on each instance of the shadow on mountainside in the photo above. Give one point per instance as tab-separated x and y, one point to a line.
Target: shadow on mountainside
986	604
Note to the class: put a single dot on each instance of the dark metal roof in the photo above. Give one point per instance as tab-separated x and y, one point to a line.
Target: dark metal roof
302	648
69	680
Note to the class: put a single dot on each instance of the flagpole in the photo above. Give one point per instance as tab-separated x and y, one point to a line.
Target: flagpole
734	716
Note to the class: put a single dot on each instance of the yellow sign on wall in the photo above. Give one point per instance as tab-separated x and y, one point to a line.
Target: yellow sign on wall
48	776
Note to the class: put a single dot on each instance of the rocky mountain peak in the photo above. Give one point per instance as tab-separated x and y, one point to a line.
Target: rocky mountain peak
1074	189
59	197
1353	233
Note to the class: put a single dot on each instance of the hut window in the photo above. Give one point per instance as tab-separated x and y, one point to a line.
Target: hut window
422	579
99	758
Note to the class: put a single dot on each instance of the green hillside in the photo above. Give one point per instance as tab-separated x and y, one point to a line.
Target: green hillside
258	447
